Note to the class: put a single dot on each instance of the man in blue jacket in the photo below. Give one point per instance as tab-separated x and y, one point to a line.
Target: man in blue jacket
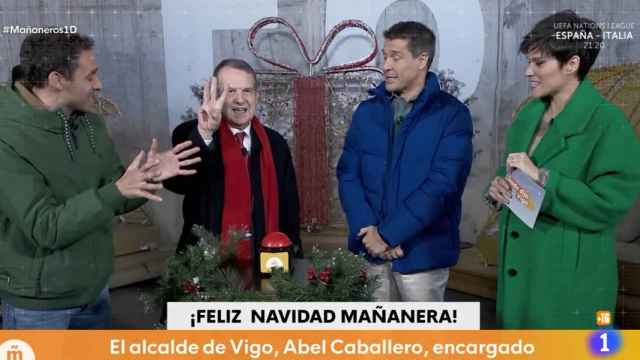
402	173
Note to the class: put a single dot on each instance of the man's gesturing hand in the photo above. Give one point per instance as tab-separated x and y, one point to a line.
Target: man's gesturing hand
172	162
210	112
136	181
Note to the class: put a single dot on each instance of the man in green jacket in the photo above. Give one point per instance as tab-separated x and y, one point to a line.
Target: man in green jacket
61	183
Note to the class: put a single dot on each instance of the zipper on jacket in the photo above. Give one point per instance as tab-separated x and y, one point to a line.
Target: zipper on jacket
387	164
39	263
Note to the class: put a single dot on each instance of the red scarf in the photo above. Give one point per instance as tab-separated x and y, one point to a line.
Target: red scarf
237	208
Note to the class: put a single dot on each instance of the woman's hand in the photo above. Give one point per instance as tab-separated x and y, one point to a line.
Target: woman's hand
500	190
521	161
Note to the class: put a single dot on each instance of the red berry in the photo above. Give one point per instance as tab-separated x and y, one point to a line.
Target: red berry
311	273
325	276
363	274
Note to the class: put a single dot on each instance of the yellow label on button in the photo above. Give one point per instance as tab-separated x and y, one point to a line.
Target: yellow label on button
274	260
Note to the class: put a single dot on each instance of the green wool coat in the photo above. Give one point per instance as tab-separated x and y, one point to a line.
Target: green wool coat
558	274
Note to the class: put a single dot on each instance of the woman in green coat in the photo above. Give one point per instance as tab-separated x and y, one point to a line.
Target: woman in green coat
584	153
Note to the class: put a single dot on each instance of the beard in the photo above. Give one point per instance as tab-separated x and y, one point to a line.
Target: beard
87	103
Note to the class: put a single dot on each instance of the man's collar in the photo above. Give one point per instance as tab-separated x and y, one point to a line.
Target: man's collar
400	98
246	130
431	87
29	97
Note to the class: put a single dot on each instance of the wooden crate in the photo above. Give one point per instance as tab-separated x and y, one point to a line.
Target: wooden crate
138	252
473	276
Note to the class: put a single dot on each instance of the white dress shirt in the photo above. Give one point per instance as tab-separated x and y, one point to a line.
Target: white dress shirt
246	142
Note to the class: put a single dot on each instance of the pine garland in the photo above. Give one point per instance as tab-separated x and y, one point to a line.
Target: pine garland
340	276
206	272
202	272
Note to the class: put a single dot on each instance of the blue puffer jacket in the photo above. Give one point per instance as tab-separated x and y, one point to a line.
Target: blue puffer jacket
413	193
